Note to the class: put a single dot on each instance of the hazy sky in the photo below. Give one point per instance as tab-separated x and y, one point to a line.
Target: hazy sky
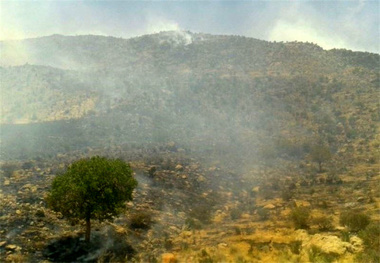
340	24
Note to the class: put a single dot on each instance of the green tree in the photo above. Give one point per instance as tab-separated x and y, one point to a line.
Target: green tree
320	154
94	188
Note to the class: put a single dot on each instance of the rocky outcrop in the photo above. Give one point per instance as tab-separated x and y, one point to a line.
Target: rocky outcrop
329	244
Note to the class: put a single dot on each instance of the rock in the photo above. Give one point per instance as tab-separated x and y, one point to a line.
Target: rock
59	215
2	243
201	179
360	199
255	189
329	244
175	229
168	258
187	233
299	203
18	212
119	229
349	205
270	206
179	167
222	245
212	169
12	247
356	244
6	182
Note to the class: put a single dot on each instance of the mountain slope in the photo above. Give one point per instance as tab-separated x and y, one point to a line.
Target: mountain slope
264	99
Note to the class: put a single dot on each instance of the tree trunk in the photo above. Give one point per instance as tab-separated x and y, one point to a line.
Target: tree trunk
88	230
320	166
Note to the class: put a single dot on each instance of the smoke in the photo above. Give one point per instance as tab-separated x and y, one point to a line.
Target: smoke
305	32
338	24
157	24
330	25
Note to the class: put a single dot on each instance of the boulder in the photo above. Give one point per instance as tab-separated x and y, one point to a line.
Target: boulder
330	244
270	206
12	247
356	244
168	258
179	167
327	243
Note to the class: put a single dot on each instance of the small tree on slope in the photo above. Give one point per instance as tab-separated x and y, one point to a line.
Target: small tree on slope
95	188
320	154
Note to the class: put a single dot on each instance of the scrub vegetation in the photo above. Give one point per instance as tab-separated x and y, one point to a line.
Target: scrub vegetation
244	150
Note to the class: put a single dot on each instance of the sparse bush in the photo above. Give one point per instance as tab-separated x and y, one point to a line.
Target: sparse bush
354	221
192	223
300	217
286	194
233	250
345	236
27	165
40	213
371	241
140	220
235	213
369	256
237	230
8	169
296	246
324	223
204	257
317	255
371	236
202	213
263	213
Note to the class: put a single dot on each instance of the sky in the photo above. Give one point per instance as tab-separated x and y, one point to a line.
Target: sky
331	24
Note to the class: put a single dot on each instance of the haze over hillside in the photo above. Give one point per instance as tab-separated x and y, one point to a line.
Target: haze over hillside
180	86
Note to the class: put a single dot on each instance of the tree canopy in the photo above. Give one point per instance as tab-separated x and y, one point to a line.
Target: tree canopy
320	154
92	188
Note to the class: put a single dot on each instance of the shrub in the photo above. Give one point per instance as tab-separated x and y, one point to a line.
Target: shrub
263	213
296	246
371	241
237	230
8	169
300	217
345	236
371	236
316	254
354	221
286	194
192	223
201	212
204	257
141	220
235	213
324	223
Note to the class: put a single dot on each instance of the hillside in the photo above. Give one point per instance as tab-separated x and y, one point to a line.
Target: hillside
185	87
232	122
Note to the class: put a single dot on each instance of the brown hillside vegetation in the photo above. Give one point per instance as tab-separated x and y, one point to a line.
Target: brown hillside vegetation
244	150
